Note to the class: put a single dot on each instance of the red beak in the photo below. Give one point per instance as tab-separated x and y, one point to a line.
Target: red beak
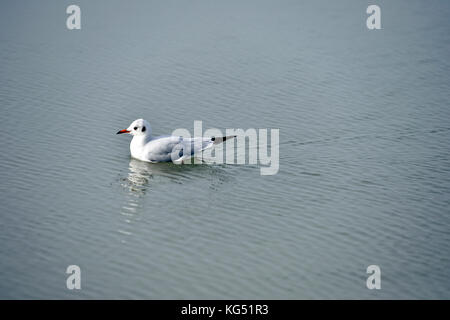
123	131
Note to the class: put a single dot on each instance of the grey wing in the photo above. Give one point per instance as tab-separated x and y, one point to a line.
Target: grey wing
164	149
172	148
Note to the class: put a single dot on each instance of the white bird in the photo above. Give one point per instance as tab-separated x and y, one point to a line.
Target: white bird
165	148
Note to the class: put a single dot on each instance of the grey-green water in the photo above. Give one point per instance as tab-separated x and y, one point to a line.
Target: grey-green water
364	149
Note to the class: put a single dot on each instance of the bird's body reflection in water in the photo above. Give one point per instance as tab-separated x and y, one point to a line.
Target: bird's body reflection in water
143	179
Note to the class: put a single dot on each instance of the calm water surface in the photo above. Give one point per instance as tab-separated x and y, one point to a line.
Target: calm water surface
364	149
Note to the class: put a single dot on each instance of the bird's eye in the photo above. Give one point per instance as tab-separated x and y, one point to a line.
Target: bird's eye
143	129
135	128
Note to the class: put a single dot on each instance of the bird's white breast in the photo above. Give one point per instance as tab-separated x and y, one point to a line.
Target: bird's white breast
137	147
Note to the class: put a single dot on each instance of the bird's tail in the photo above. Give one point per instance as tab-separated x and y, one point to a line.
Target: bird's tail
217	140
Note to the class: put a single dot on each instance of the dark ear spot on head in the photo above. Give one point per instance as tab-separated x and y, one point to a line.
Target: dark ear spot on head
143	129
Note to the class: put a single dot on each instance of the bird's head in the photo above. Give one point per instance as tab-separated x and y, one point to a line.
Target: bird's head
139	127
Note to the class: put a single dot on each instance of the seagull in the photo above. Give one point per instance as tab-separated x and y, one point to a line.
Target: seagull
167	148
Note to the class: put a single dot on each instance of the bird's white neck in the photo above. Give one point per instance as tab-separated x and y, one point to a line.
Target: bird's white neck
137	144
